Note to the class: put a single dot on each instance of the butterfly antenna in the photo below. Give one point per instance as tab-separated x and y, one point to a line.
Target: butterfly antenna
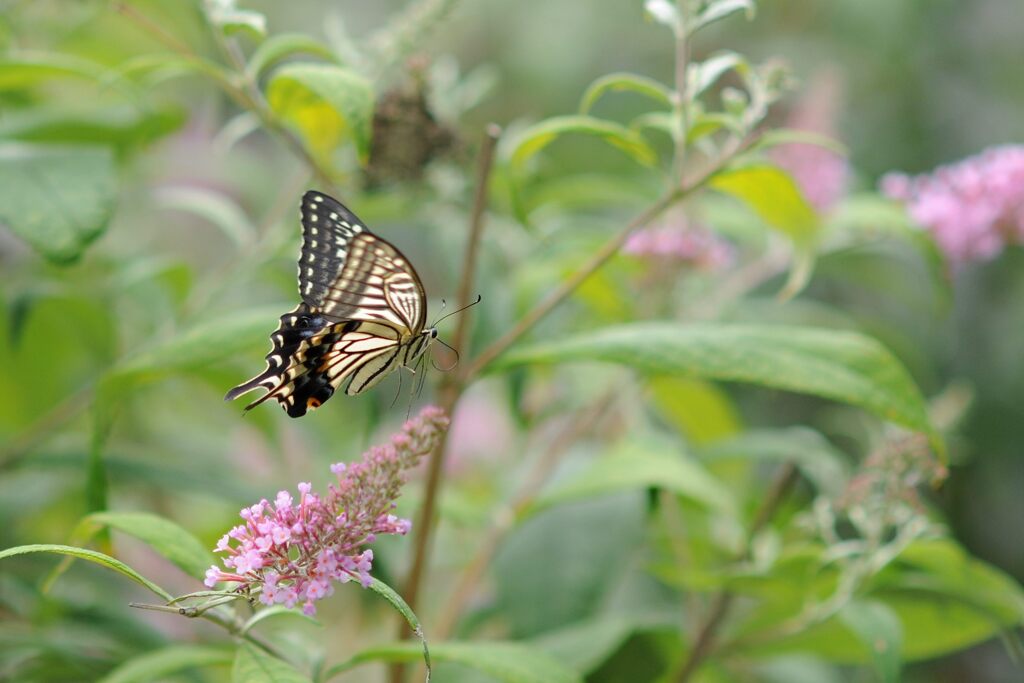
479	298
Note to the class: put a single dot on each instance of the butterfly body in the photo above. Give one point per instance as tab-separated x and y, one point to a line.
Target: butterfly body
363	314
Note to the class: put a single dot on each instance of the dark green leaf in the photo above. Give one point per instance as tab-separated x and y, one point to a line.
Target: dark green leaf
56	199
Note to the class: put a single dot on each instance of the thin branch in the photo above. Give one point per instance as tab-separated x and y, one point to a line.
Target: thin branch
452	385
707	632
568	286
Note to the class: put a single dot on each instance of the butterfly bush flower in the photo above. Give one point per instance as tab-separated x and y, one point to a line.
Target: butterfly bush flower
293	549
681	244
973	208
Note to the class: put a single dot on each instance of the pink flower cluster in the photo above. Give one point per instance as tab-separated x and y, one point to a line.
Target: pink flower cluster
820	173
973	208
291	551
692	246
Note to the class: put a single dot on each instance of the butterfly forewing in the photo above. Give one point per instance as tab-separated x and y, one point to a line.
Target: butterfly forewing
363	313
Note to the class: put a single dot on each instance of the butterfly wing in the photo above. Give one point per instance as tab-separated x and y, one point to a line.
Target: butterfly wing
348	273
305	367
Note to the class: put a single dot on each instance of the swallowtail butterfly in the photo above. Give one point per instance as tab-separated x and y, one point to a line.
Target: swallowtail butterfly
363	314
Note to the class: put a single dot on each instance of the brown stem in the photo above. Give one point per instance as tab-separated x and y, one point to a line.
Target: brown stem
704	643
466	585
452	384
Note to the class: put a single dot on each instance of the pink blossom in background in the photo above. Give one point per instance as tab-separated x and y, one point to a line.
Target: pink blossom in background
292	550
683	244
822	175
973	208
481	429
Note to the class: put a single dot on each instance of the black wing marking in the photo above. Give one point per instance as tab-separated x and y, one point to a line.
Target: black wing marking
327	229
294	329
316	365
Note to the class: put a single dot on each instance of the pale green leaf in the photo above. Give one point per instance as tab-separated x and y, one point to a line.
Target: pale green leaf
389	594
703	75
537	137
26	69
273	612
719	9
791	136
57	199
624	82
640	464
505	661
232	20
328	105
281	46
91	556
842	366
158	664
253	665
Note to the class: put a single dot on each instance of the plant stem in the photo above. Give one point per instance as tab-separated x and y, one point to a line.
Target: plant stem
452	384
466	585
568	286
681	95
704	643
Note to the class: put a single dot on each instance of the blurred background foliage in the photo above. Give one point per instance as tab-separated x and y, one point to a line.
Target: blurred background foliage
150	205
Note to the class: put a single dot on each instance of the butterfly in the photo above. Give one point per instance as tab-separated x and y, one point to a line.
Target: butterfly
363	314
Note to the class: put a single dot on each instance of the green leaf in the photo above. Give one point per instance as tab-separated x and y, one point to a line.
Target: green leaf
702	75
389	594
91	556
775	197
699	410
56	199
879	629
231	20
624	82
27	69
791	136
585	646
537	137
719	9
124	127
164	662
253	665
167	538
640	464
705	124
270	613
842	366
328	105
505	661
282	46
205	344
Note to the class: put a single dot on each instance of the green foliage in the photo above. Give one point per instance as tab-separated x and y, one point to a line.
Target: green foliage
739	399
57	200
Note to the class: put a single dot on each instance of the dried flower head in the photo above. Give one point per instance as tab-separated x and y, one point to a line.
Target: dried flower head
973	208
291	550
